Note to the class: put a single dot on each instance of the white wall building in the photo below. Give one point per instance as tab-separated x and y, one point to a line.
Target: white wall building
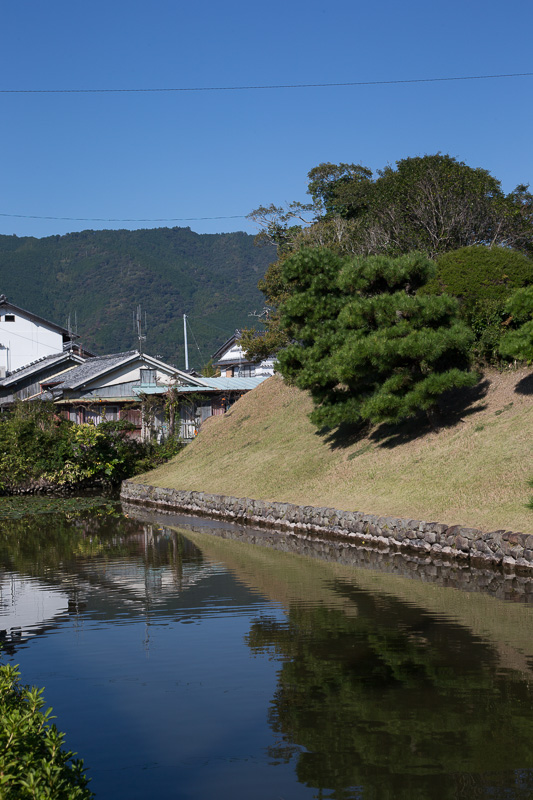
232	362
25	337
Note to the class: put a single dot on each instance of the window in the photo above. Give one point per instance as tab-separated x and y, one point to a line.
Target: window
9	318
246	371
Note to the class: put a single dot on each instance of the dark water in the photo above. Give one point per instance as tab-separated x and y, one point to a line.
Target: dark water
204	663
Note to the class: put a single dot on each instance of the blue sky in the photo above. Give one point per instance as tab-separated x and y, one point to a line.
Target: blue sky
221	154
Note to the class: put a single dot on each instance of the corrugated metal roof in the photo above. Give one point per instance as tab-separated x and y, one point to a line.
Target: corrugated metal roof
212	385
234	383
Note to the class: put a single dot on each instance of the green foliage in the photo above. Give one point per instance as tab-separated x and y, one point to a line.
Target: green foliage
101	276
366	345
518	342
433	204
482	278
33	761
36	444
475	274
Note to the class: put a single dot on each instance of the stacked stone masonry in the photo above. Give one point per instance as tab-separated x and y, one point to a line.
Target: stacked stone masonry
509	550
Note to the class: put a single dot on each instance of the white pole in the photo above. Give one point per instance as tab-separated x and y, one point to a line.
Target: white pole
186	346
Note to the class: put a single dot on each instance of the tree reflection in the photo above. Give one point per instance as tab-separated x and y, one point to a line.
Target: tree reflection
393	702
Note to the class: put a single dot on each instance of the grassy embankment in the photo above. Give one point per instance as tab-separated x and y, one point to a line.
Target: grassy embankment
472	471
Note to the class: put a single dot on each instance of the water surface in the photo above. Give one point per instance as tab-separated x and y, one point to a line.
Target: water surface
188	659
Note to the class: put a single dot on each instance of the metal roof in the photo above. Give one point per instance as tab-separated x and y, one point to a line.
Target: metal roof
211	385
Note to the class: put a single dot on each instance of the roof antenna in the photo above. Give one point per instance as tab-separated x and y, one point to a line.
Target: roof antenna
140	330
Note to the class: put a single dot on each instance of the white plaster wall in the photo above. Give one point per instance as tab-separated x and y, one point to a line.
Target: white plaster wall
24	341
233	353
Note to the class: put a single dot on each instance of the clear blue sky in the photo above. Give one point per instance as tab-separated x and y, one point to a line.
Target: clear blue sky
209	154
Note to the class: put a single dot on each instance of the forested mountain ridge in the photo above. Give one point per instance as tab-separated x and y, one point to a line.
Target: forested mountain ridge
101	277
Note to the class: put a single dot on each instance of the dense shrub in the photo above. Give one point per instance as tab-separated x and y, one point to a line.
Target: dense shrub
482	278
33	763
37	444
481	273
518	341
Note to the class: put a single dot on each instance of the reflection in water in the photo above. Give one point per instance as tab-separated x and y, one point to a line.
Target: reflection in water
194	664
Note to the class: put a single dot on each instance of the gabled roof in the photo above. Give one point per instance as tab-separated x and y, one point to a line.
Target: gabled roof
228	344
100	366
56	359
5	305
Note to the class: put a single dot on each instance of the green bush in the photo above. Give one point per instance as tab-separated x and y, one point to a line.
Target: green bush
482	279
481	273
33	763
35	443
518	341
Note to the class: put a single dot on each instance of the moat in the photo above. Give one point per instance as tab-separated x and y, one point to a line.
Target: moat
191	659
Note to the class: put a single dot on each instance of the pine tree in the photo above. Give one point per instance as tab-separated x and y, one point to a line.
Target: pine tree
365	344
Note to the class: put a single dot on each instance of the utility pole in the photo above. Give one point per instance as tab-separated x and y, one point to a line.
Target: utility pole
186	346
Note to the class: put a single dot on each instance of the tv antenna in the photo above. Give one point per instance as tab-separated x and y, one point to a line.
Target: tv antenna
138	327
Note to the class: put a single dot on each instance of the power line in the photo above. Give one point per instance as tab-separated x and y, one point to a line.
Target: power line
105	219
269	86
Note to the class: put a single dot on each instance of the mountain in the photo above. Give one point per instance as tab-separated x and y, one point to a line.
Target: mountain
99	278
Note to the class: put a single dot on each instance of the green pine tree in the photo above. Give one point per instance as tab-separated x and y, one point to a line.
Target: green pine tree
364	343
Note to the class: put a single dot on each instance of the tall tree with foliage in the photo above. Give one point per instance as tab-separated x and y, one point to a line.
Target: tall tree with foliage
364	343
433	204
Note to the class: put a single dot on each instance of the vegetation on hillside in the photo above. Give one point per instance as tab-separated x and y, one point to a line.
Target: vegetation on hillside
33	761
432	204
518	342
100	277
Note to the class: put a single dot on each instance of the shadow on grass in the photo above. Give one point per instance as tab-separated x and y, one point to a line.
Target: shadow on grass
344	435
525	386
454	407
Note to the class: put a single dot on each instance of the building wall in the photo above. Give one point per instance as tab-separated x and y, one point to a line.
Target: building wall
23	341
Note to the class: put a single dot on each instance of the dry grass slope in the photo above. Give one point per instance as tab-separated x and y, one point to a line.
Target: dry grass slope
472	471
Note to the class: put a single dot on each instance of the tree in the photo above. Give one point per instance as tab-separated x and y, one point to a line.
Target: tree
433	204
364	343
518	343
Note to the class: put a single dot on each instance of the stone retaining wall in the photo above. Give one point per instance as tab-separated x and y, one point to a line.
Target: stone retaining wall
512	551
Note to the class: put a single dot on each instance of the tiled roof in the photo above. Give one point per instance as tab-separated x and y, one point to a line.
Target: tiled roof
94	367
38	365
101	365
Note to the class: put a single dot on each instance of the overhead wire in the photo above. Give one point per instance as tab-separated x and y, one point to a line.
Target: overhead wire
148	90
106	219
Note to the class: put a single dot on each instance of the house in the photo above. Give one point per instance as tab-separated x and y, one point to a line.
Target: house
111	387
232	362
197	402
26	337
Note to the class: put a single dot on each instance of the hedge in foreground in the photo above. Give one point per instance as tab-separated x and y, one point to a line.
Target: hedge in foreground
33	763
